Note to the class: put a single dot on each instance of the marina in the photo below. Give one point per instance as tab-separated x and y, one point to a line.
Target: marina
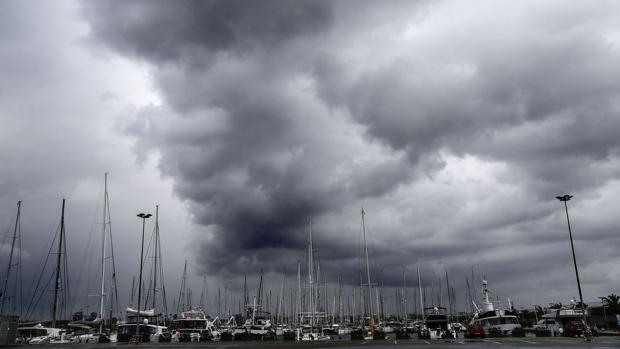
309	174
306	317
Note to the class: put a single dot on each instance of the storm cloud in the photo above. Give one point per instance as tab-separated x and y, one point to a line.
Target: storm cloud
454	124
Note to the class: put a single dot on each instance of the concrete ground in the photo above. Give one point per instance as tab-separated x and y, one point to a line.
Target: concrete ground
513	343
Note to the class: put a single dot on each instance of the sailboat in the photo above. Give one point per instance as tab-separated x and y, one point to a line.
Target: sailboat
148	321
435	323
6	301
311	319
86	331
368	329
38	334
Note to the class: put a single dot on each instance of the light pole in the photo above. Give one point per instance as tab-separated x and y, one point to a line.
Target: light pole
144	216
564	198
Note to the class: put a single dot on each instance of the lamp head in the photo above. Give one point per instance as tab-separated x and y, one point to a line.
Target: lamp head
565	197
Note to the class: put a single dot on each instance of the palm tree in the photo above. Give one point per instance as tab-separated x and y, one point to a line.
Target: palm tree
612	303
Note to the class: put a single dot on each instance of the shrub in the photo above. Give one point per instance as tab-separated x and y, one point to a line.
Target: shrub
495	332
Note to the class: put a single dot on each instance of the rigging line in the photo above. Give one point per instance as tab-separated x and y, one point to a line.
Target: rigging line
50	242
41	293
19	272
44	265
151	270
5	288
161	270
67	293
89	248
114	284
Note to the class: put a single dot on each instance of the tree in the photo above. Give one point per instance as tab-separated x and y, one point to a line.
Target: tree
555	305
539	310
612	303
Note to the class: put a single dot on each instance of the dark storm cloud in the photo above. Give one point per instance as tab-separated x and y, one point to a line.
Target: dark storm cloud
190	31
275	112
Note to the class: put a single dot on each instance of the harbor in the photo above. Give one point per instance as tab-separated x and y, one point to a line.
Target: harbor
416	315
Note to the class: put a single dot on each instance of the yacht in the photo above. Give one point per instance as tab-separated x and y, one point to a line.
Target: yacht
39	334
566	313
148	322
500	321
435	325
191	326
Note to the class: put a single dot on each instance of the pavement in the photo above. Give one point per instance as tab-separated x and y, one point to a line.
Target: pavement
512	343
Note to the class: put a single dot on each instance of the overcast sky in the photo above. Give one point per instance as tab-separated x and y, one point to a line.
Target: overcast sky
454	124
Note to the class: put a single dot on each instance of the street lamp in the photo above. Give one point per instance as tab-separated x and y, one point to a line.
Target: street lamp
564	198
144	216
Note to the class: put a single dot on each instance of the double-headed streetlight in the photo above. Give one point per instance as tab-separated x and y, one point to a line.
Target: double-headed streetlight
564	199
144	216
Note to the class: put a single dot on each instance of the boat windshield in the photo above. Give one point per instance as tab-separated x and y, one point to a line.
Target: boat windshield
191	324
500	321
508	320
31	332
131	329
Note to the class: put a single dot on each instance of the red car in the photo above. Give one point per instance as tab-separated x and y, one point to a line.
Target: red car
574	328
474	331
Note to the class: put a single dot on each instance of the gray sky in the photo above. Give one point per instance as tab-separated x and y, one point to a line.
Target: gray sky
455	124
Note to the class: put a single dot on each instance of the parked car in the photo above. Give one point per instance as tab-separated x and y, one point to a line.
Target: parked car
575	328
475	331
551	325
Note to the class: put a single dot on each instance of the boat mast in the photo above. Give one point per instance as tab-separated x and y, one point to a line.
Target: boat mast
133	290
182	291
8	271
259	303
246	297
113	289
279	313
404	295
299	319
340	305
156	250
203	295
58	263
420	291
310	279
371	321
160	268
105	200
449	296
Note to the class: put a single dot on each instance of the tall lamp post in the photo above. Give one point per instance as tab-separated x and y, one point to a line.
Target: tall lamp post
144	216
564	199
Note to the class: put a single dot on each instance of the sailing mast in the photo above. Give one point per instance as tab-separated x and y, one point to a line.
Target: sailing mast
310	279
246	297
203	295
299	314
156	250
182	291
16	229
105	201
58	263
421	294
279	313
371	321
404	295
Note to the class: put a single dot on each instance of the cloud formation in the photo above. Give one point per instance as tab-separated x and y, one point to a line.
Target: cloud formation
455	124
